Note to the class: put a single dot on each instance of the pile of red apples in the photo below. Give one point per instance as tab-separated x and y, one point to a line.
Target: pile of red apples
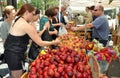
60	63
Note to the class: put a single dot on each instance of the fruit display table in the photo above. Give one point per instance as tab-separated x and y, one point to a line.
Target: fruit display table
62	62
82	33
70	60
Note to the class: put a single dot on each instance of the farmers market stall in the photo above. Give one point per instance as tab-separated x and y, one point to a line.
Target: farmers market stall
73	58
76	57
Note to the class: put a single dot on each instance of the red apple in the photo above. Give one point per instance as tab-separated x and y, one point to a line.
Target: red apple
32	76
52	66
78	75
50	72
69	59
33	70
60	69
70	73
40	71
57	75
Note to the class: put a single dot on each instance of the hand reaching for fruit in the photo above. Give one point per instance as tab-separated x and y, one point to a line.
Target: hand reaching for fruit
74	28
61	24
103	76
56	41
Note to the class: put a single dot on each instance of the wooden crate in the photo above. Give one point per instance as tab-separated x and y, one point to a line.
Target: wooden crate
82	33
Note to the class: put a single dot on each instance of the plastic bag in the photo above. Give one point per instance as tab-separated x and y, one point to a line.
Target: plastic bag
62	31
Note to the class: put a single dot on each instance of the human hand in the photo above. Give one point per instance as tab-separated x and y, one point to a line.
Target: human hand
68	26
57	41
74	28
61	24
103	76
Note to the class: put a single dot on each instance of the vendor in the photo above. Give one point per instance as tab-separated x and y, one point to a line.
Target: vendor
100	26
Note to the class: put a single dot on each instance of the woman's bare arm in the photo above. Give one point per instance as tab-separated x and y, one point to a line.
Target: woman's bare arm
30	30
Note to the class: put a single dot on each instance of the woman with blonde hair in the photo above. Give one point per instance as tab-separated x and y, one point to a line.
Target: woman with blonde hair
9	15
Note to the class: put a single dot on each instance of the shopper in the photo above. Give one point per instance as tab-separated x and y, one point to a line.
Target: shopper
18	39
36	18
88	16
55	20
60	14
80	19
100	26
45	21
93	18
9	14
34	49
92	11
65	16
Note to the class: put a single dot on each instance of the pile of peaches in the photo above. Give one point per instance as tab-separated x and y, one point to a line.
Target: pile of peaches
73	42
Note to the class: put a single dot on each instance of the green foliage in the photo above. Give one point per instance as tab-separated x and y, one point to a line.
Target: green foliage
20	3
40	4
44	4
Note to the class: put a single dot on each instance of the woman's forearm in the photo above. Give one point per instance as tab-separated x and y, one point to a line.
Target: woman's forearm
57	24
41	32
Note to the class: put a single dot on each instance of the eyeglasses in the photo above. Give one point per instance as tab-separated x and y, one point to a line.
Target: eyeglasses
96	10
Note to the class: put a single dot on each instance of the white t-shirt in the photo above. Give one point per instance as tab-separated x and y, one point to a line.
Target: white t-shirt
66	19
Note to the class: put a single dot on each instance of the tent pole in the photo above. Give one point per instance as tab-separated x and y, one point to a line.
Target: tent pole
59	9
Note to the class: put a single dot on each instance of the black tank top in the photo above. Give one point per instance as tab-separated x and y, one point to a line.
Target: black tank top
16	44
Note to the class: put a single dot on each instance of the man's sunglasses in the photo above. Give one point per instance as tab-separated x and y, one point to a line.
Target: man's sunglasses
96	9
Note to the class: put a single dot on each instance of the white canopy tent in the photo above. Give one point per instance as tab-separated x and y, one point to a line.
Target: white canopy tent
105	3
78	5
